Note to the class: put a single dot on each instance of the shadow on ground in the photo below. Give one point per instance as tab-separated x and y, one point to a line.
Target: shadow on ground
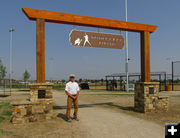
128	108
63	116
27	90
4	95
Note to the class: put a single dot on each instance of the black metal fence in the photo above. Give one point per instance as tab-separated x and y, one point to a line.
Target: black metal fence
117	81
176	75
4	88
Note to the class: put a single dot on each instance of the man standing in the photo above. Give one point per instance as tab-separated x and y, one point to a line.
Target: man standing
72	90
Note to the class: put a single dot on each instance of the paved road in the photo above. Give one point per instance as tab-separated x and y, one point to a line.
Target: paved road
99	122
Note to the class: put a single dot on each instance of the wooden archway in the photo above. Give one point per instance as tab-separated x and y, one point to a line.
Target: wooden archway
41	16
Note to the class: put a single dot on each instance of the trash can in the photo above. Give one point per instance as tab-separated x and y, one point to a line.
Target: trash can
168	87
84	86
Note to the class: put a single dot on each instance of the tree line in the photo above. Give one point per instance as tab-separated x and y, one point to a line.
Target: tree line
3	72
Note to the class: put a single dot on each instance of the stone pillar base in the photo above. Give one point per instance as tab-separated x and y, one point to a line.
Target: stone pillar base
40	91
147	99
38	108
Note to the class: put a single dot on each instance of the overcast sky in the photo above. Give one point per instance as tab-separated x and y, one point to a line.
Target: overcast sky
92	63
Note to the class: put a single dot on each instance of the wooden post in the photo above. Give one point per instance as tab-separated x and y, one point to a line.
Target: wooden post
145	57
40	50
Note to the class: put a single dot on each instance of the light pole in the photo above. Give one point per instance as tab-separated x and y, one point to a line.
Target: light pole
3	78
127	58
169	60
11	30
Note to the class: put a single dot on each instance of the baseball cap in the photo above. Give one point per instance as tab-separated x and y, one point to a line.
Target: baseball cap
71	75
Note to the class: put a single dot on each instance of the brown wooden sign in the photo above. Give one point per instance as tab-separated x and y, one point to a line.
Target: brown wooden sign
96	39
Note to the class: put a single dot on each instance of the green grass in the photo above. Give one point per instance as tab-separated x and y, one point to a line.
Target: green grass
4	105
16	86
5	111
56	87
103	90
95	90
2	118
2	132
8	134
5	115
114	94
96	85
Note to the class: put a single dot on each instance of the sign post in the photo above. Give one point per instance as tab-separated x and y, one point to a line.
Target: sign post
96	39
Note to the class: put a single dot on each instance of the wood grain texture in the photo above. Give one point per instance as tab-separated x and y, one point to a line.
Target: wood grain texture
145	57
57	17
40	50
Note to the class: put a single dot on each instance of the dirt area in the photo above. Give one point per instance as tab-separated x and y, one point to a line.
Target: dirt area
102	114
124	102
176	87
55	128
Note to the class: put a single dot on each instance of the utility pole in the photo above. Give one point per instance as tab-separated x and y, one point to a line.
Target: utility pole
127	58
172	76
11	30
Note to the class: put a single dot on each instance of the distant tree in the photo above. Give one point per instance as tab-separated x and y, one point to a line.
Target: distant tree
26	76
177	81
80	80
92	81
85	80
102	80
2	70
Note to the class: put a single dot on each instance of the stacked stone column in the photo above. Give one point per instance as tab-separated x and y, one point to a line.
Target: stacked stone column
36	108
147	98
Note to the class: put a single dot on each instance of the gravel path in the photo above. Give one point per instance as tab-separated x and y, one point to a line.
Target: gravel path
99	122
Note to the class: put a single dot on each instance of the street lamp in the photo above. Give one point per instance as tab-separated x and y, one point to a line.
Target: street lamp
11	30
169	60
127	58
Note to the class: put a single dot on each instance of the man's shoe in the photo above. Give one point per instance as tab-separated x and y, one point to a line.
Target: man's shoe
68	120
76	119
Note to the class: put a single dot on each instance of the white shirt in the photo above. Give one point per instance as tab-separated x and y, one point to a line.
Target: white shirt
72	87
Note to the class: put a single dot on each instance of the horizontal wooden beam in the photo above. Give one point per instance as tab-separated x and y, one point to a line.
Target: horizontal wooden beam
57	17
